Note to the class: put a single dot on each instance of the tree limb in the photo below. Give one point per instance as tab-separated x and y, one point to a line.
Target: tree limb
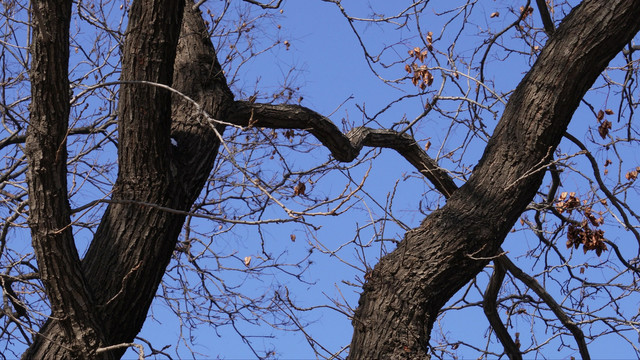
343	147
550	301
549	28
491	312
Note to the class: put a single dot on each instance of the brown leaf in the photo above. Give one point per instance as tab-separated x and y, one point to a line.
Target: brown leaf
247	260
293	237
609	112
600	115
423	55
494	14
289	134
427	146
429	78
604	128
299	189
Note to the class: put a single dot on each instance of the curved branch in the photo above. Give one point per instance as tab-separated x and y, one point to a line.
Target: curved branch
343	147
491	312
534	285
270	5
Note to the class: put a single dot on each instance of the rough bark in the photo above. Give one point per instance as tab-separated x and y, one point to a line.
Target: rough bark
133	244
409	286
343	147
72	304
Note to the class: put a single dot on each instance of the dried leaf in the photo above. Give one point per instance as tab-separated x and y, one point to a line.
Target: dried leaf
604	128
247	260
423	55
293	237
600	115
299	189
427	146
429	78
609	112
494	14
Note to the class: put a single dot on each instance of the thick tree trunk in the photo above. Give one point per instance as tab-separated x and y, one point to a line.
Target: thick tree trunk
134	243
49	213
409	286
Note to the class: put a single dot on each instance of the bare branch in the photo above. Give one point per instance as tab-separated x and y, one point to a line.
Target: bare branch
549	28
550	301
270	5
491	312
343	147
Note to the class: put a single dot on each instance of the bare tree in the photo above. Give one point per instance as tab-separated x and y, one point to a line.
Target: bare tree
192	143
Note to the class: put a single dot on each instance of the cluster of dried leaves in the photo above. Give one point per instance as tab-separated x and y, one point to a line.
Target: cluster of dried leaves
422	77
581	233
605	126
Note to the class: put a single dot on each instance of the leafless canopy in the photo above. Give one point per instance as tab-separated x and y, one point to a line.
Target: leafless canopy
153	170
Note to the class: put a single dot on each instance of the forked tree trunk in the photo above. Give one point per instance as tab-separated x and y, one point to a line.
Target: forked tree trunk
409	286
134	243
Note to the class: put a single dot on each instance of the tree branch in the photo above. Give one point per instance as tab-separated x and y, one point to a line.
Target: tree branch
550	301
270	5
491	312
343	147
549	28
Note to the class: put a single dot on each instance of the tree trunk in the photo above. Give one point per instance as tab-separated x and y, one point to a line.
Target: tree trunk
134	243
409	286
49	213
